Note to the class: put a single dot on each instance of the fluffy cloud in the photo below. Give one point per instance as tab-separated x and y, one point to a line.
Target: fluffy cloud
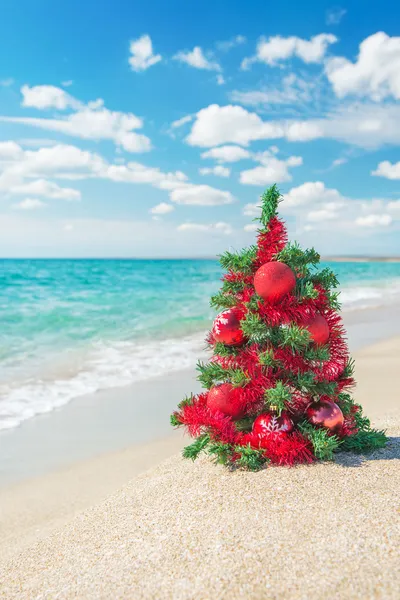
293	90
374	221
180	122
219	171
394	207
220	79
309	193
227	154
375	74
197	59
275	49
229	44
271	170
201	195
221	228
217	125
43	188
329	212
142	56
384	169
162	209
10	151
29	204
93	122
48	96
251	227
368	126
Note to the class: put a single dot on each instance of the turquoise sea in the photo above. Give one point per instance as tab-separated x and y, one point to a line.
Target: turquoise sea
69	327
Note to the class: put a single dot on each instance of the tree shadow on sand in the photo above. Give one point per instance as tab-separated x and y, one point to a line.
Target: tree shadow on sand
390	452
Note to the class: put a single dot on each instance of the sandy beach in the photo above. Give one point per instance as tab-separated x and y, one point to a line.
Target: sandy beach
183	530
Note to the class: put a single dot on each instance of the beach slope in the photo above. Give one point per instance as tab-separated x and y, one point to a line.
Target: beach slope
193	530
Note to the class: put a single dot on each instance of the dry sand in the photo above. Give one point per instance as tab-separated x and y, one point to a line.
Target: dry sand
185	530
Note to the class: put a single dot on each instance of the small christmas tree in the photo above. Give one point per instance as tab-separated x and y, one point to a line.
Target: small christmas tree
278	384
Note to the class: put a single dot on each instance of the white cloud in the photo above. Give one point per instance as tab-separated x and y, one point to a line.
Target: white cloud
38	142
67	83
339	161
197	59
384	169
162	209
365	125
334	15
142	56
227	154
293	90
219	171
10	150
394	207
375	74
44	188
217	125
29	204
48	96
220	79
272	170
229	44
94	124
276	48
251	227
179	122
329	212
308	193
374	221
221	228
200	195
252	210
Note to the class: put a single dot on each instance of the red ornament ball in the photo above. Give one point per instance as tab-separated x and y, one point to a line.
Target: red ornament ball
273	281
226	399
325	414
267	424
226	328
318	328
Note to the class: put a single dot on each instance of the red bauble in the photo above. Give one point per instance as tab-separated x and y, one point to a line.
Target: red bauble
225	398
273	281
226	328
325	414
268	423
318	328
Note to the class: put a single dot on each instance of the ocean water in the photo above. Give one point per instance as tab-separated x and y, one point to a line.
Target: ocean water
71	327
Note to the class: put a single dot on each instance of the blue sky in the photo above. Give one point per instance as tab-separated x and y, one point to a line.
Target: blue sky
151	129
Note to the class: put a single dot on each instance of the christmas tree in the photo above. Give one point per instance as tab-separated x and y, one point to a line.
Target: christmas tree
278	386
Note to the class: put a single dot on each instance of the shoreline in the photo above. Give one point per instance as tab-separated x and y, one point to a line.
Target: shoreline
182	530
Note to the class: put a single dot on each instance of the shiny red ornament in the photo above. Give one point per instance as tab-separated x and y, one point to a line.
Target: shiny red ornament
267	424
226	328
273	281
225	398
325	414
318	328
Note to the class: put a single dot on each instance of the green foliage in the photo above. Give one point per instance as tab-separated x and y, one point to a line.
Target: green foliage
306	289
278	396
317	353
333	300
220	452
198	446
226	351
252	304
250	458
305	382
212	373
255	329
324	445
269	205
297	259
221	300
232	287
365	441
174	420
326	277
187	401
348	371
267	358
363	423
244	424
239	262
295	337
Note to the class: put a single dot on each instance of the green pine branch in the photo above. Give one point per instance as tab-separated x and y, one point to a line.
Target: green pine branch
365	441
297	259
267	358
255	329
324	445
212	373
294	337
250	458
326	277
317	353
278	396
239	262
225	351
222	300
196	447
269	205
220	452
305	382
